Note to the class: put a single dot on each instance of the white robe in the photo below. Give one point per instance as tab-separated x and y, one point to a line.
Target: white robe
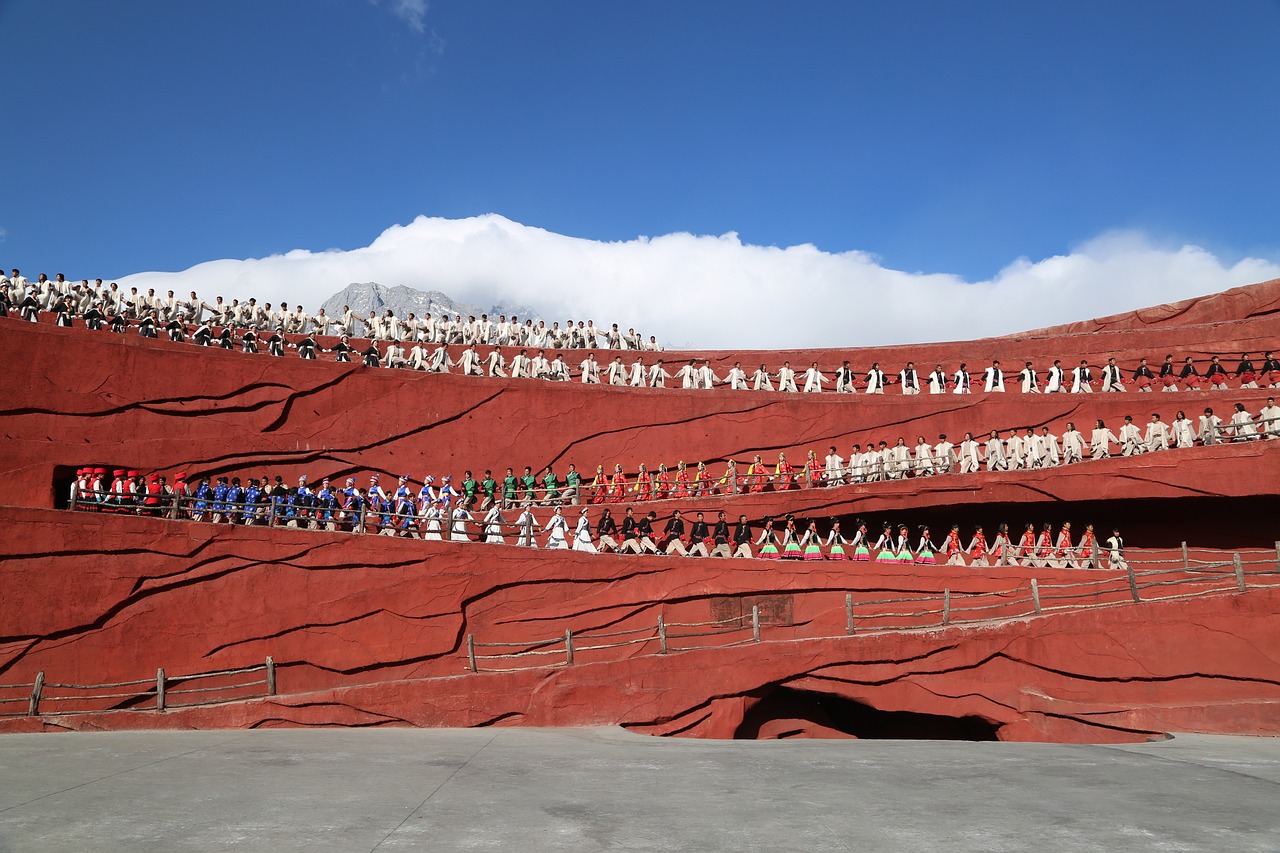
582	536
993	379
1080	377
813	380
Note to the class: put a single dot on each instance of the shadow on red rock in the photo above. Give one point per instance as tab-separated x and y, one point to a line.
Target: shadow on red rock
784	712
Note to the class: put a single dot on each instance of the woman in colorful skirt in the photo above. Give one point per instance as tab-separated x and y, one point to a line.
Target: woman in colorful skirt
955	556
662	483
768	542
861	554
682	481
812	543
905	557
924	551
791	541
884	547
835	543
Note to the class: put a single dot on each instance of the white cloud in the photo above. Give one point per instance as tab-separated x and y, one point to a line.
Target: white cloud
717	292
3	234
412	12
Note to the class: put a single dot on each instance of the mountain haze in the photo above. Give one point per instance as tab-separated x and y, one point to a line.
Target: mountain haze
371	296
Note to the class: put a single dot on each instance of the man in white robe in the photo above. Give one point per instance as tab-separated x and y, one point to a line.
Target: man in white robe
1049	445
908	379
617	373
944	455
993	378
1072	445
658	375
636	377
1269	420
440	361
924	458
707	377
1157	436
1030	382
1081	378
1131	437
996	460
969	456
760	380
1112	380
539	367
589	370
875	379
1015	451
786	378
688	375
938	381
813	380
844	379
835	468
470	362
737	377
962	380
497	364
1057	379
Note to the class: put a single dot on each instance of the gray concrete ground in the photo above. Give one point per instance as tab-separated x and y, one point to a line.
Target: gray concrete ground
606	789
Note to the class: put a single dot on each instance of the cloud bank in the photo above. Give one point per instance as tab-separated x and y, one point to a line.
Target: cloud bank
717	292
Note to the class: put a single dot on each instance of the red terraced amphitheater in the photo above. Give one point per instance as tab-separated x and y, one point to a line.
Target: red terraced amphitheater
371	630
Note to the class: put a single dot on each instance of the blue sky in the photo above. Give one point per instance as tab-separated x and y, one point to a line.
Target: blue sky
938	137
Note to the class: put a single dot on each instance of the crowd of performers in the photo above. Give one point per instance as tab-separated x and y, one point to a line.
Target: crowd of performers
101	305
449	517
422	344
436	502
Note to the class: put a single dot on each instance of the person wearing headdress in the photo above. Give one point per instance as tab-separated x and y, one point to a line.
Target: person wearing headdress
617	485
682	489
884	546
557	529
582	534
861	554
526	524
811	542
925	549
662	482
791	540
903	546
835	542
768	542
644	484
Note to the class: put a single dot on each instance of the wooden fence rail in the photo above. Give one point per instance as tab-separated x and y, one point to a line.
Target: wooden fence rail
932	611
159	690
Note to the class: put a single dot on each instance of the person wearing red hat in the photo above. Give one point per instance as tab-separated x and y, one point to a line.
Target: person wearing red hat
137	489
181	495
79	486
151	495
97	486
119	490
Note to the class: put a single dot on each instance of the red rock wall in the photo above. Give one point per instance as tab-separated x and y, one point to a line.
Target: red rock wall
363	627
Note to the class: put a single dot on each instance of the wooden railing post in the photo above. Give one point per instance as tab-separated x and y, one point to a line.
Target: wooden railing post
1186	564
471	652
568	646
848	613
755	622
160	689
1235	560
1035	594
662	635
271	676
946	606
33	707
1133	581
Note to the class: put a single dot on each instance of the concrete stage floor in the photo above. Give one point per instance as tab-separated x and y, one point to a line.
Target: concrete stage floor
605	789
